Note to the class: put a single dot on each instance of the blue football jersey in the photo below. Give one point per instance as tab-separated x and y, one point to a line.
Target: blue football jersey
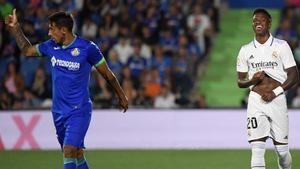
71	67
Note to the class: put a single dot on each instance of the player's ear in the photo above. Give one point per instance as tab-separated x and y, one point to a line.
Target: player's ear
64	30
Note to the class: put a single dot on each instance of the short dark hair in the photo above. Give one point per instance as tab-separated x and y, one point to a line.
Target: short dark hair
262	10
62	19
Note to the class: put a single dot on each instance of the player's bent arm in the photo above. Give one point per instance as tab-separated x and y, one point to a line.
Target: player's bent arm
23	43
242	80
292	78
109	76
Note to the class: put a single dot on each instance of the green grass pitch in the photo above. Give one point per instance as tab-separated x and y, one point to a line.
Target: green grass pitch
142	159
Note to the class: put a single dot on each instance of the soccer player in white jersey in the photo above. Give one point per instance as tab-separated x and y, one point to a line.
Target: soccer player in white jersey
266	65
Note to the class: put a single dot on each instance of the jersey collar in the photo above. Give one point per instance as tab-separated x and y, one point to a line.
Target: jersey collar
269	42
66	46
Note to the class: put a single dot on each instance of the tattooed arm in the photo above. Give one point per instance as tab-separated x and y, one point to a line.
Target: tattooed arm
23	43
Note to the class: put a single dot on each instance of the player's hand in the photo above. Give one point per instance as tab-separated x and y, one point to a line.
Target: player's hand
268	96
258	77
12	20
123	103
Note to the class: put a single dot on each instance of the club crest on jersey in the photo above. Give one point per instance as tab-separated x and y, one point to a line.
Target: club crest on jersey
275	54
75	52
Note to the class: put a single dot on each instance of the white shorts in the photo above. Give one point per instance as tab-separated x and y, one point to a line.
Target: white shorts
267	119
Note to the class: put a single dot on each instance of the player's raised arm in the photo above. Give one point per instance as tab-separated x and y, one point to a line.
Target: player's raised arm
110	78
23	43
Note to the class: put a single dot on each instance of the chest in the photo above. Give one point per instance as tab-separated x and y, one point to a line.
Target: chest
264	58
71	59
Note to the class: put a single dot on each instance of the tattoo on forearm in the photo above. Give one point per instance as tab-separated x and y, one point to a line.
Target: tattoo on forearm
22	42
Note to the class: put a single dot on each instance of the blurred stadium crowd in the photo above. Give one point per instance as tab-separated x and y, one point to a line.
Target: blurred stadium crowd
289	30
154	47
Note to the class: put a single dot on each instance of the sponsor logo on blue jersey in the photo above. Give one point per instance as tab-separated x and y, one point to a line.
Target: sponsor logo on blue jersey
63	63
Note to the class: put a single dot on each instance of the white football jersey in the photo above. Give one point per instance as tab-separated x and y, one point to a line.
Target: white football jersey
272	57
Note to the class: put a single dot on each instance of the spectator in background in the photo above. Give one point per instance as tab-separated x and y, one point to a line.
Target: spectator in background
8	51
130	91
165	99
6	57
213	14
28	69
40	24
145	49
174	20
41	84
151	83
123	49
113	8
102	94
30	100
161	62
147	37
104	41
198	25
13	81
110	25
30	32
89	29
114	63
168	42
180	75
290	13
151	21
124	21
137	64
5	100
91	9
286	32
193	52
126	73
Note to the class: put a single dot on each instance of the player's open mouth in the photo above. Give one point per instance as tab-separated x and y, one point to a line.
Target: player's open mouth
258	27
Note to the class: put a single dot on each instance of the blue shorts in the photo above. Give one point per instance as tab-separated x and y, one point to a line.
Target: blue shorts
71	128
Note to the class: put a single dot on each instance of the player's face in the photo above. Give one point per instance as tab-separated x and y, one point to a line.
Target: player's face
56	33
261	24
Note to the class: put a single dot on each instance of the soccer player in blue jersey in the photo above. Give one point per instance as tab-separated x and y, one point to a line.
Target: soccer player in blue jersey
72	59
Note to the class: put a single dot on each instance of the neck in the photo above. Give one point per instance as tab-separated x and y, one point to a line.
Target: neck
262	38
69	37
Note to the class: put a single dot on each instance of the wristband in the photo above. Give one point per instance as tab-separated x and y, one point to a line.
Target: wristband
278	90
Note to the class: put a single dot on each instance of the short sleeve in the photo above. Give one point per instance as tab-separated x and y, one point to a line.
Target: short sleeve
43	48
241	63
287	56
95	56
